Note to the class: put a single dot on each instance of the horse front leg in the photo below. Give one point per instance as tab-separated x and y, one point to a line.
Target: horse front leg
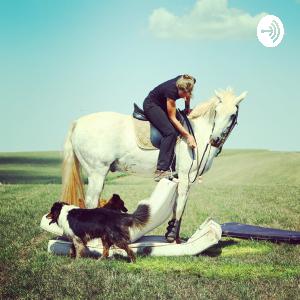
173	228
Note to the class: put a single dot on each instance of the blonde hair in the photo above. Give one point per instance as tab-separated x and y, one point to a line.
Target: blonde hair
186	83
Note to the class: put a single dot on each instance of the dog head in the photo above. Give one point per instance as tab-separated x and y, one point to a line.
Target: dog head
116	203
55	211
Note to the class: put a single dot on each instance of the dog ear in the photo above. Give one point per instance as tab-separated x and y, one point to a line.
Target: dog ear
55	211
116	196
123	208
54	216
62	202
49	216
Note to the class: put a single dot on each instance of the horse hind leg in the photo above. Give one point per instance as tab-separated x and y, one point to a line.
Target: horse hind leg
95	186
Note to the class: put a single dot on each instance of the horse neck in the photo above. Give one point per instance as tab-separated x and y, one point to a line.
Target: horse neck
202	130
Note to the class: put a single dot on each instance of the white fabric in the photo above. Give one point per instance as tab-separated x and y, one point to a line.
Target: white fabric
208	234
161	203
52	228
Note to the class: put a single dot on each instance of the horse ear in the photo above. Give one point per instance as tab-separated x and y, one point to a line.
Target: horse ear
240	98
218	94
230	89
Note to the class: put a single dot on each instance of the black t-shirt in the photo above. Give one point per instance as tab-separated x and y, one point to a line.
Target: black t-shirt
167	89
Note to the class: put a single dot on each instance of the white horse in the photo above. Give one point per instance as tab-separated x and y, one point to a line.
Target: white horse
106	141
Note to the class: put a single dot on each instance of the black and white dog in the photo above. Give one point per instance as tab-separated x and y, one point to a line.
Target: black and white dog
111	226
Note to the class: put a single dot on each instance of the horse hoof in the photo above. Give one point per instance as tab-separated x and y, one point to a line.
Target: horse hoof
178	240
170	227
172	231
170	239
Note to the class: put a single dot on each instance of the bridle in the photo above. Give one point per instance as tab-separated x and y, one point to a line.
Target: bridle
217	142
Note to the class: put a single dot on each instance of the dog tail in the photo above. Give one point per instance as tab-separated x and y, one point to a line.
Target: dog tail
140	217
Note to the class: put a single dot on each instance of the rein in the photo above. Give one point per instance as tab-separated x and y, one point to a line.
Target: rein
217	143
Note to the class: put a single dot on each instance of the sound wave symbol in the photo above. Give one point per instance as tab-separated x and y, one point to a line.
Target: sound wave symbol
274	31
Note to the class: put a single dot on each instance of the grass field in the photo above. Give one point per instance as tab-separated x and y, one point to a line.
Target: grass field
252	186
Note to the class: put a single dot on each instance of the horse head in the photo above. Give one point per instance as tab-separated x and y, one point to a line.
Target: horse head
226	113
222	112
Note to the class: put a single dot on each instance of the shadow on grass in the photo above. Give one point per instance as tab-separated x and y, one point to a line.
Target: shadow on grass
217	249
36	169
30	169
30	160
29	177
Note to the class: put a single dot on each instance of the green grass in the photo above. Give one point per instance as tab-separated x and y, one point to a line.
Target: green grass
252	186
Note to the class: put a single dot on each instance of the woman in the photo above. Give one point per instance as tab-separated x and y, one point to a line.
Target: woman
160	108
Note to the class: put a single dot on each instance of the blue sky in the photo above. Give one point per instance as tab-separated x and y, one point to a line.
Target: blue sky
64	59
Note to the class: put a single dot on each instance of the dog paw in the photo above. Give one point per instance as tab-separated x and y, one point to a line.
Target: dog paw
103	258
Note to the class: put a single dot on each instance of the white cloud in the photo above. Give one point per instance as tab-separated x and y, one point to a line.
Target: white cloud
208	19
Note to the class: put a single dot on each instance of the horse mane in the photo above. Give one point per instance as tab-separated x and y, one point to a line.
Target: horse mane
208	107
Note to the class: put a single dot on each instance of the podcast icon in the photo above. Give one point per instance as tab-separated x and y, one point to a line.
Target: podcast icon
270	31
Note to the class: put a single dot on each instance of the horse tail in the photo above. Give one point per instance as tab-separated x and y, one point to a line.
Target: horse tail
72	183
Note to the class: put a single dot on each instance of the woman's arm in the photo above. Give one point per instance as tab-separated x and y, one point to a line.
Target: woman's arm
171	108
187	105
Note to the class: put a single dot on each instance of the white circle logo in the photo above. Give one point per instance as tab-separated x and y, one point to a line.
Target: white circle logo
270	31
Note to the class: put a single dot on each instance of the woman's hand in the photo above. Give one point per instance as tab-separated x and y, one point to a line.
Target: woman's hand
187	111
191	141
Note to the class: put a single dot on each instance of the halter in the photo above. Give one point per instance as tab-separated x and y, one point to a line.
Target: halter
216	142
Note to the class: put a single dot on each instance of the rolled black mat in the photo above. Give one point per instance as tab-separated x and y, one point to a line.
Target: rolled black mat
245	231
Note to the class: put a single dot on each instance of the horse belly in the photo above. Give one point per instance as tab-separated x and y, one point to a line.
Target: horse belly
137	161
133	159
108	138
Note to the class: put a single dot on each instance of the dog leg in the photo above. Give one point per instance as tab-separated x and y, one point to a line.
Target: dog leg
79	247
130	253
72	251
106	245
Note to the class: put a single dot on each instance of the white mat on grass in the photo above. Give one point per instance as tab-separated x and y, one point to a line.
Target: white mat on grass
161	204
